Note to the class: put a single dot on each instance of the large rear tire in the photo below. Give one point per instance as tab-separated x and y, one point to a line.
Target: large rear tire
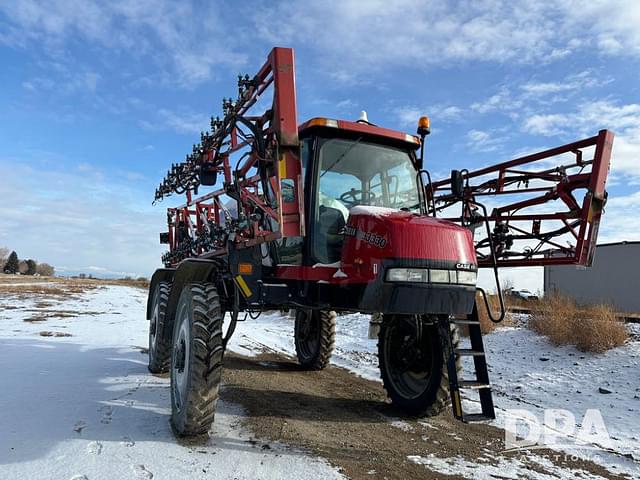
315	337
196	362
160	333
414	372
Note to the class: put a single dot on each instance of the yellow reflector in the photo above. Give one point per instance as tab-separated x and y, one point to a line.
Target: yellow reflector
245	268
244	288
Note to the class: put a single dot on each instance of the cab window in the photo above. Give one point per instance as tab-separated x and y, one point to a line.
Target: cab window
354	172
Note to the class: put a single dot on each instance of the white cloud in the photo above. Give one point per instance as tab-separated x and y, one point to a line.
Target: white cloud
191	39
366	34
409	115
618	221
573	83
65	82
503	100
74	219
482	141
179	121
623	119
612	23
514	104
184	122
381	34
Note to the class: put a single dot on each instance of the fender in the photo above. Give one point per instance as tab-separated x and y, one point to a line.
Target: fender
160	275
188	271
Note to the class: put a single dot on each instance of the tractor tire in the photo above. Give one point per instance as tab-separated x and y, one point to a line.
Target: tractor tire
414	375
160	331
315	337
196	361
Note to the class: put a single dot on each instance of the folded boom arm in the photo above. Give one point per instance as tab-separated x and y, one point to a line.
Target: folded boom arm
258	157
543	209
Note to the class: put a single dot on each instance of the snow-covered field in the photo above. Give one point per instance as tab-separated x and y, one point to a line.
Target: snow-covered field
526	371
85	407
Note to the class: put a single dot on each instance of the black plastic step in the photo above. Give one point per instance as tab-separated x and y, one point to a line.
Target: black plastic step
476	417
469	352
473	384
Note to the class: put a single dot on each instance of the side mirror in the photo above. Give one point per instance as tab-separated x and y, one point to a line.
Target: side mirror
457	184
208	175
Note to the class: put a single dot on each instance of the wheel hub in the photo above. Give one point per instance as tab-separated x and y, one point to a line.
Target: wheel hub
180	356
409	357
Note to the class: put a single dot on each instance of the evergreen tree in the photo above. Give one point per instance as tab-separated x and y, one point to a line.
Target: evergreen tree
31	267
12	264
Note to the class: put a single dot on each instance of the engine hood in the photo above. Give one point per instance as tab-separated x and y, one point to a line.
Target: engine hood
376	233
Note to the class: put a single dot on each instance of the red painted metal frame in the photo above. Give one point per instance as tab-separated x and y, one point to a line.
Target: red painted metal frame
280	136
578	221
365	128
279	211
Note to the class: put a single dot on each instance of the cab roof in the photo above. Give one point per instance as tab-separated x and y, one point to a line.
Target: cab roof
360	127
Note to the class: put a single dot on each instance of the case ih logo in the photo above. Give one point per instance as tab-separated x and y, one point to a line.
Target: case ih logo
369	237
466	266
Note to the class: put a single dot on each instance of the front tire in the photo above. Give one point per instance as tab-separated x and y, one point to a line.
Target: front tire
414	373
160	333
315	337
196	362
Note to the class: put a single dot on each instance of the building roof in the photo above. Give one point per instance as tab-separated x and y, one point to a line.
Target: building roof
623	242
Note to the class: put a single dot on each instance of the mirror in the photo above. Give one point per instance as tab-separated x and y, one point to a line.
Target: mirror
457	184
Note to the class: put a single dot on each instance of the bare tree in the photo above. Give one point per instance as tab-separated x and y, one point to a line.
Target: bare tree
4	255
22	267
45	270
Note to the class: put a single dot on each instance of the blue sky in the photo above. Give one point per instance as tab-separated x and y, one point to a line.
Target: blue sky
98	98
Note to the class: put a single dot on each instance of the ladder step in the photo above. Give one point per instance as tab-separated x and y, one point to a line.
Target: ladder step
464	321
476	417
478	382
468	352
473	384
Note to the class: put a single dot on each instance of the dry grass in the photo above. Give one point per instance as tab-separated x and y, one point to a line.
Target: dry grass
133	282
486	325
13	283
591	329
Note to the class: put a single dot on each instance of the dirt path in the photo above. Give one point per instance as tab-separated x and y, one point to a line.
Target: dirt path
348	421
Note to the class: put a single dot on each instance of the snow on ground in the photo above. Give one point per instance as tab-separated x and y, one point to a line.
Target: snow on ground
527	372
85	407
274	331
541	375
500	467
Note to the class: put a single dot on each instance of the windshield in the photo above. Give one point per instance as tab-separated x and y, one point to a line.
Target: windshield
354	172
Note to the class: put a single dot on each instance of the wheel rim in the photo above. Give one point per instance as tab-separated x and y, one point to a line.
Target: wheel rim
409	364
181	352
308	334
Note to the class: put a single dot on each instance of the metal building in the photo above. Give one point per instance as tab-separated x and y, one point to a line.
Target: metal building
614	278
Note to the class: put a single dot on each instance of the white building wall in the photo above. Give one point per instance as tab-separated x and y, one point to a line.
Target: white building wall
614	278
